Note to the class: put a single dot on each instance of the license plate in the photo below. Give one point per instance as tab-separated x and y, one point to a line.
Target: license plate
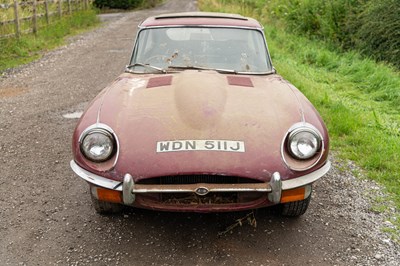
200	145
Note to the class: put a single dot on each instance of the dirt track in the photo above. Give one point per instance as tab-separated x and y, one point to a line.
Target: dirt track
46	216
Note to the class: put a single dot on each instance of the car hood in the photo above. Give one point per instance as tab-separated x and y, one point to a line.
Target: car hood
158	119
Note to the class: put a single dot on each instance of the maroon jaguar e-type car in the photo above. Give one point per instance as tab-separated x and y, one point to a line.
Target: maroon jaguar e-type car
200	122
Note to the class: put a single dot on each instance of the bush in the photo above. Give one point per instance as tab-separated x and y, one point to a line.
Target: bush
323	19
118	4
372	27
377	30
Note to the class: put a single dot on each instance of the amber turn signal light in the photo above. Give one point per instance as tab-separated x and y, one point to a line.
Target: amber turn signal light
109	195
293	194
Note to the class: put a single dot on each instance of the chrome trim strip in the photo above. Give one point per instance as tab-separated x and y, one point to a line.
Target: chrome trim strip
257	187
261	30
306	179
192	188
107	128
295	127
95	179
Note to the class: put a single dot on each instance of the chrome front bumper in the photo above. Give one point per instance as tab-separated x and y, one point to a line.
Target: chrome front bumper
129	189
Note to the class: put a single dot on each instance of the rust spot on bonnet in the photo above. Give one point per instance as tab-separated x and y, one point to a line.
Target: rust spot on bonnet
159	81
240	81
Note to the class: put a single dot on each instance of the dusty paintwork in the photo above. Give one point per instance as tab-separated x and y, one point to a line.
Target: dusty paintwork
192	18
199	105
201	122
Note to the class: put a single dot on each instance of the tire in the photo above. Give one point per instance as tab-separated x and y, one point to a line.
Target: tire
295	208
104	208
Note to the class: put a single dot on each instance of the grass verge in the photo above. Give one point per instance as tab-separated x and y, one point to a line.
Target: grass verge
358	98
18	51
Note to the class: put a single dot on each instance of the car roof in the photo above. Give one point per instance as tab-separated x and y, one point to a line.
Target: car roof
200	19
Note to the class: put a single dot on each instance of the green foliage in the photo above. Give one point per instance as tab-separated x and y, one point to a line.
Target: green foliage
14	52
118	4
250	8
125	4
323	19
377	30
372	27
358	98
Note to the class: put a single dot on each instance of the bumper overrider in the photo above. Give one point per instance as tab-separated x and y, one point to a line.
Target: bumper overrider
278	191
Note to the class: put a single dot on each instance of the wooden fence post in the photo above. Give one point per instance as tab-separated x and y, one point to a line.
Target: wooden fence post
69	7
59	8
46	6
17	28
34	17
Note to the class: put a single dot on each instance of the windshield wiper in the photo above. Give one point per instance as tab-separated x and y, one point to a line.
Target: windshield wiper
159	69
221	70
231	71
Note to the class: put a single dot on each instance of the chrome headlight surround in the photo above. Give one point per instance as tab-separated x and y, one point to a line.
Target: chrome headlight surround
302	147
98	143
303	143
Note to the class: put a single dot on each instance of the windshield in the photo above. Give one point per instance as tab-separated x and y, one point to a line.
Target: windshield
235	49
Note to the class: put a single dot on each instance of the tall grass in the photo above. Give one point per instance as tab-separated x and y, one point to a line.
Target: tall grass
14	52
377	30
371	27
358	98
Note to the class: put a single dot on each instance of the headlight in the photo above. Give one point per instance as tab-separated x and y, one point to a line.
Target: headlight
98	145
304	143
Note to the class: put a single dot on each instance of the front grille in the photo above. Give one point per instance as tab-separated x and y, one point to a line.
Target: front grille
190	199
194	179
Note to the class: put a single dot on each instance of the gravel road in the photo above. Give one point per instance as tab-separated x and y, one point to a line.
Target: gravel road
46	216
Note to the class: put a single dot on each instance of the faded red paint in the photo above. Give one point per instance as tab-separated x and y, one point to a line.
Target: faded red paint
159	81
240	81
200	105
201	19
144	109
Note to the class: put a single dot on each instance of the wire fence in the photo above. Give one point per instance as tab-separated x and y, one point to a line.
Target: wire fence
28	16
